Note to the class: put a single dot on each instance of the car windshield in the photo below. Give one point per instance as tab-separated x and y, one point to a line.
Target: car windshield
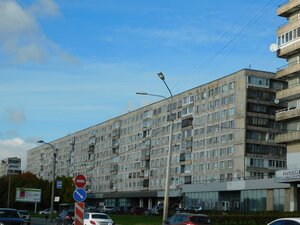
200	219
99	216
9	214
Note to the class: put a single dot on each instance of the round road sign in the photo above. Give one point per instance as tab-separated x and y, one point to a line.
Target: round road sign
80	181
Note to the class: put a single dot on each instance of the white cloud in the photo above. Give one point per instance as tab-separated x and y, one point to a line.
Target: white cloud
45	8
22	39
15	147
14	20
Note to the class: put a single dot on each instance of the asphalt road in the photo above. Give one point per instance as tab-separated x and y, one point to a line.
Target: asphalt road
41	221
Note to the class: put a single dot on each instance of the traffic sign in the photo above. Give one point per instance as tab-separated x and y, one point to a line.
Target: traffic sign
80	181
59	184
79	211
79	195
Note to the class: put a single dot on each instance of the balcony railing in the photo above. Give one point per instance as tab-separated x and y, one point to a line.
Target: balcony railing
285	109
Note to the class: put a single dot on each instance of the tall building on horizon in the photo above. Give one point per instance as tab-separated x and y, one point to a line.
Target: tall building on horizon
10	166
224	131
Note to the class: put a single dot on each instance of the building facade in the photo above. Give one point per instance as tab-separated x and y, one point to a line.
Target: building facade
224	133
10	166
288	41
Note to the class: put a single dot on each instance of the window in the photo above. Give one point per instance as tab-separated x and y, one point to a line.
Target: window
258	81
232	85
224	88
224	100
231	99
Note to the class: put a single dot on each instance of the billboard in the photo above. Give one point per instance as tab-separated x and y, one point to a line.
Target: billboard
28	195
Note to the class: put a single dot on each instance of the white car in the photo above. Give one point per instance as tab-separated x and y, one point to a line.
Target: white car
286	221
45	212
93	218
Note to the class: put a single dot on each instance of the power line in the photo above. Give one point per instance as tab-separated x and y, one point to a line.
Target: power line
234	38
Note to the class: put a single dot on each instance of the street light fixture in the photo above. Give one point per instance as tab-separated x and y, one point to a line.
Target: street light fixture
169	156
9	181
53	176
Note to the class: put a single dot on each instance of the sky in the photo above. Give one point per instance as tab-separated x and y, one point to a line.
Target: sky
68	65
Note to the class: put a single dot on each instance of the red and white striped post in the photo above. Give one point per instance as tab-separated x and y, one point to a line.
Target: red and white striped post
79	212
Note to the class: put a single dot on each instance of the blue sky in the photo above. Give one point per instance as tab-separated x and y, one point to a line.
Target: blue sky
67	65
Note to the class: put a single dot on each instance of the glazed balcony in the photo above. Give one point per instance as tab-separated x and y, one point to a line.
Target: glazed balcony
289	49
287	113
292	92
288	137
288	8
288	71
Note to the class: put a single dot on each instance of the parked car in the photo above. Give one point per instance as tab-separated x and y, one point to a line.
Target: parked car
45	212
285	221
66	217
192	208
188	218
137	210
108	209
92	218
11	217
25	215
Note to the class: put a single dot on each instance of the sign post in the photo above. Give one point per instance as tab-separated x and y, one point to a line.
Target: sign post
79	211
79	196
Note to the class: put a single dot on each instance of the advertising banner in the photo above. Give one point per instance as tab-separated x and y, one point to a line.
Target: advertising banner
28	195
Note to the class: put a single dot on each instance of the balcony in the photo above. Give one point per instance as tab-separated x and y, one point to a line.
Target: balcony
289	49
289	71
288	8
290	93
146	157
287	113
288	137
288	26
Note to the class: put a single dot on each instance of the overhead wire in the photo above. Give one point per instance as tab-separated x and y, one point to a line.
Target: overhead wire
234	38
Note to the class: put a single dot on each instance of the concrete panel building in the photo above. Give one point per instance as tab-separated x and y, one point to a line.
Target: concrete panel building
224	138
10	166
288	41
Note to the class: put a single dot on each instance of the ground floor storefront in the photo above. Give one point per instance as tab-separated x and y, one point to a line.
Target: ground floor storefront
239	195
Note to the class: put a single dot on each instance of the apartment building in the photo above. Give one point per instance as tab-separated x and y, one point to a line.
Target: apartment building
224	132
288	43
11	165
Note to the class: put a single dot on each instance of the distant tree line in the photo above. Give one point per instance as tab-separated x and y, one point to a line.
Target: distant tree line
29	180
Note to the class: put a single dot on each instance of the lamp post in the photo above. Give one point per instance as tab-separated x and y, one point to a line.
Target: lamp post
53	176
9	181
169	156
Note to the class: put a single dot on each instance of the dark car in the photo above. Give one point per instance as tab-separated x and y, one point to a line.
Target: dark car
137	210
286	221
66	217
188	218
25	215
11	217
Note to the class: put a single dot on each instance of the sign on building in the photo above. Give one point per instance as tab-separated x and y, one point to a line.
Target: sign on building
28	195
286	176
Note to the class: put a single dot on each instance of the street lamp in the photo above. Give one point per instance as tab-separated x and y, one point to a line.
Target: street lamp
53	176
8	174
169	156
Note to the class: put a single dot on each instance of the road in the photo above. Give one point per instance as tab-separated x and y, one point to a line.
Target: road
40	221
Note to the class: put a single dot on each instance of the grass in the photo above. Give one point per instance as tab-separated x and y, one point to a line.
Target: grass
136	220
